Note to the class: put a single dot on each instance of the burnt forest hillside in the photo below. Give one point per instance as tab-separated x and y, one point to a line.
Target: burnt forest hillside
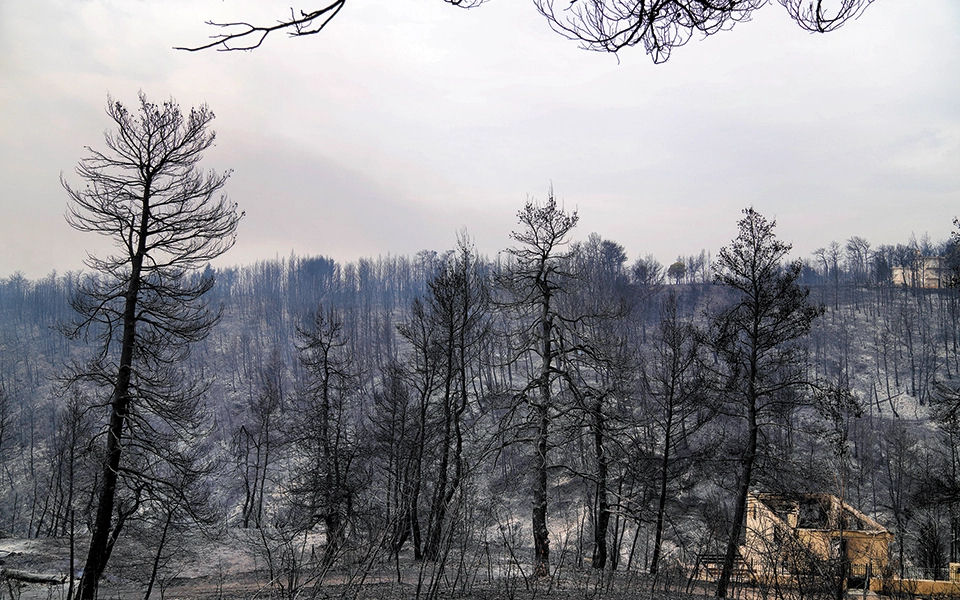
490	419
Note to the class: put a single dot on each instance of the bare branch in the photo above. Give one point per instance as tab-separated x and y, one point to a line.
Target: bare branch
241	35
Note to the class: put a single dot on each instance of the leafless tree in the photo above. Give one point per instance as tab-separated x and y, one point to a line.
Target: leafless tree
424	374
673	380
325	434
756	340
531	288
6	422
658	26
394	432
858	256
953	255
595	360
255	442
942	484
166	219
459	305
71	467
171	512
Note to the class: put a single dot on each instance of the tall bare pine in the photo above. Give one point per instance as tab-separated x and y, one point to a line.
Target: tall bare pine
143	305
757	340
531	288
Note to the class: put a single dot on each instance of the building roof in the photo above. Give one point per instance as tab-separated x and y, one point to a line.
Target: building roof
818	512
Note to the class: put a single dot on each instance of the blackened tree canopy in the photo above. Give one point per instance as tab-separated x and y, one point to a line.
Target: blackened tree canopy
144	303
658	26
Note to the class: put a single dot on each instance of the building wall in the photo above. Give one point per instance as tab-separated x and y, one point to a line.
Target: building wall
930	273
775	545
863	547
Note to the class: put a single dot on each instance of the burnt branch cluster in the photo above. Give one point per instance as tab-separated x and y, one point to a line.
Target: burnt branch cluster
242	35
658	26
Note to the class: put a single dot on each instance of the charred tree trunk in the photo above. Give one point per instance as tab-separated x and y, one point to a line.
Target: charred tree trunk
662	500
602	520
98	552
740	510
541	539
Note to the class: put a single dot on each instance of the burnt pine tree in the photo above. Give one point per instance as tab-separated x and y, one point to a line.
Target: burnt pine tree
672	380
531	287
757	339
393	434
255	440
596	361
144	303
424	377
459	306
324	434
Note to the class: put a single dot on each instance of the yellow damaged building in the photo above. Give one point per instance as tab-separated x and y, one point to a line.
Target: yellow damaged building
798	535
928	272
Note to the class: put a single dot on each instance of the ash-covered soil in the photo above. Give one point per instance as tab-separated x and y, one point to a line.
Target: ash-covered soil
229	569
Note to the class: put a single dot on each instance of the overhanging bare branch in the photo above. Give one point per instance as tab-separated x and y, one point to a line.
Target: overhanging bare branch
242	35
658	26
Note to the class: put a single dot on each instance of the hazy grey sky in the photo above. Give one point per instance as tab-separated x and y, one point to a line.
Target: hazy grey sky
409	119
